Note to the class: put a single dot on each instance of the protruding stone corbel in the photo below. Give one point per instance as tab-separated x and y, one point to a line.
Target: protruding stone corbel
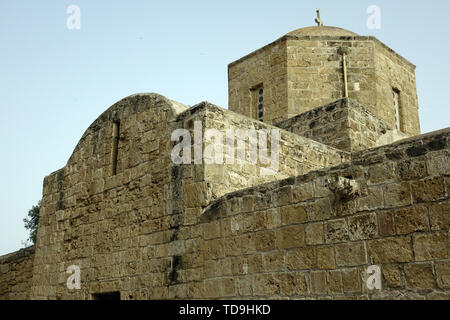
345	189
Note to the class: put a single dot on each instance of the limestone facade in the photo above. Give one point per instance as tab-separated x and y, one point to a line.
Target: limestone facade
303	70
344	124
346	194
16	273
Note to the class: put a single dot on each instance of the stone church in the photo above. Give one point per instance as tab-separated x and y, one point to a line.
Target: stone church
357	186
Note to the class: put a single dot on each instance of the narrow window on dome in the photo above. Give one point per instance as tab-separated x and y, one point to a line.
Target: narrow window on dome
258	101
397	109
115	146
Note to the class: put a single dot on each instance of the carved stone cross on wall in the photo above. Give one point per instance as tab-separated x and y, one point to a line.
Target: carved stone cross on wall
319	19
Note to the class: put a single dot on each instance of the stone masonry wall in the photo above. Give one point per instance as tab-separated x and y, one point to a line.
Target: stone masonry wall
343	124
315	77
394	72
266	66
16	272
133	230
109	225
315	71
300	73
150	231
297	155
313	236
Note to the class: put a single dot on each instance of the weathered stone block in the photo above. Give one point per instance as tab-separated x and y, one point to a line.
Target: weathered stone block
195	290
362	226
178	291
238	245
428	190
293	214
303	192
283	196
228	287
440	216
273	218
195	195
336	231
392	275
255	263
262	201
438	164
225	227
379	173
265	240
386	224
212	288
390	250
291	237
419	276
247	204
373	200
314	233
334	281
192	216
439	296
318	282
255	221
248	222
325	258
244	286
301	259
239	265
412	169
266	284
223	267
431	246
320	209
211	230
443	274
273	261
293	283
397	195
321	188
411	219
345	208
447	185
351	254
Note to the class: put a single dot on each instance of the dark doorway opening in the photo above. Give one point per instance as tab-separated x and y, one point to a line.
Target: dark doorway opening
106	296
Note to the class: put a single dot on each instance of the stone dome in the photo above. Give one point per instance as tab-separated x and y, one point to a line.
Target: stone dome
322	31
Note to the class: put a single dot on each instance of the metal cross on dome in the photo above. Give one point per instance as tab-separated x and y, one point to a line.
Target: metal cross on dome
319	19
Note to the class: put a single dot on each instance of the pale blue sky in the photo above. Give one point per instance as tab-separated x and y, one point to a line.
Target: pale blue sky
54	82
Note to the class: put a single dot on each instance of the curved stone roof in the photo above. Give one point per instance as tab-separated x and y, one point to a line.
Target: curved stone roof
132	104
322	31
